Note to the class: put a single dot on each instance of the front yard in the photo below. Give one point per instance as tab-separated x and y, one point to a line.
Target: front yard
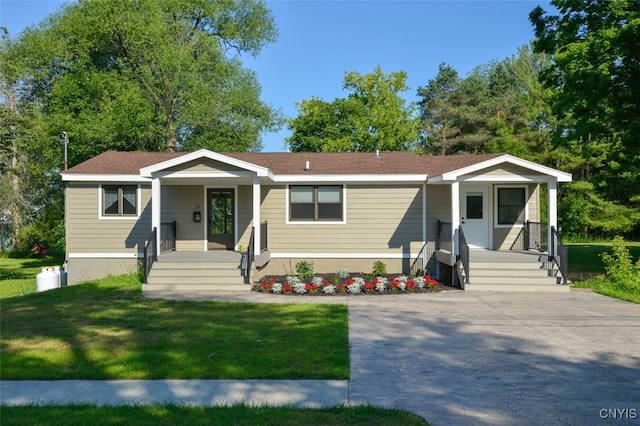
106	329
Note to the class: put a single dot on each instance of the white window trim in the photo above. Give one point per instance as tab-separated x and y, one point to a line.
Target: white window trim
102	216
495	205
288	220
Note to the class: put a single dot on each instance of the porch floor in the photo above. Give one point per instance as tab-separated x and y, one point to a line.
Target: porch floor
211	256
493	256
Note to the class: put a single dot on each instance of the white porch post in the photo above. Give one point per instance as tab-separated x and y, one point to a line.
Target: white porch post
155	210
455	217
553	214
256	216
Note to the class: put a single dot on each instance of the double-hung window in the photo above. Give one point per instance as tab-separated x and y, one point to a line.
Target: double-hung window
511	206
315	203
119	200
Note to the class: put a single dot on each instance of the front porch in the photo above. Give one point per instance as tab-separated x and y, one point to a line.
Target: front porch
533	262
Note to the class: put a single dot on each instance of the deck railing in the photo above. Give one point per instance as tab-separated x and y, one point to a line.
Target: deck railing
150	253
559	253
167	237
532	236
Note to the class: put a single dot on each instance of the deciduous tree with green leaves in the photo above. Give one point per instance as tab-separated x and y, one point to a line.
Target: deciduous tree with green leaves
372	116
150	74
595	78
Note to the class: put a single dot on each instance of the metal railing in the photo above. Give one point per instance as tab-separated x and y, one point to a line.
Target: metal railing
463	257
418	265
532	236
248	257
443	242
167	237
150	253
559	253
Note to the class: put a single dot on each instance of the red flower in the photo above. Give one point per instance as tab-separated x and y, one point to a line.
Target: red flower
287	288
411	284
350	281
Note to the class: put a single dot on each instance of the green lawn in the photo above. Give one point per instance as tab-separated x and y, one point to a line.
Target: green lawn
585	261
106	329
18	276
87	414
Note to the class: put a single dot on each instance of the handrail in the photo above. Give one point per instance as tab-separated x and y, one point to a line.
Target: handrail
248	257
464	254
562	257
168	237
418	264
150	253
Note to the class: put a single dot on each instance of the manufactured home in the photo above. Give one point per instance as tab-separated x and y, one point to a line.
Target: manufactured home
209	220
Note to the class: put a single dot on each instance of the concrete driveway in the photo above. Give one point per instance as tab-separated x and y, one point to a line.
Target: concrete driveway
498	358
490	358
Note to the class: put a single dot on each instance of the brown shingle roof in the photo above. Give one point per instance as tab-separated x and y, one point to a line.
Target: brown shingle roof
349	163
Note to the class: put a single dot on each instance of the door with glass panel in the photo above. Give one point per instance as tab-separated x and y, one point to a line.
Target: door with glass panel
474	216
221	219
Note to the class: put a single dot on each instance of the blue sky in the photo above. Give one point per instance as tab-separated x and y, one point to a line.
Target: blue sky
320	40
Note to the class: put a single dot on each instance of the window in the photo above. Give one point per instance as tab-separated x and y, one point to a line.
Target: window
511	206
119	200
315	203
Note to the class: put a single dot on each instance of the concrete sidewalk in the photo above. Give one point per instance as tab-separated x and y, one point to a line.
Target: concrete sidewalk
298	393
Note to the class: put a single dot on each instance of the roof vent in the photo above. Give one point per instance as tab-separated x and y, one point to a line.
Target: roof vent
306	165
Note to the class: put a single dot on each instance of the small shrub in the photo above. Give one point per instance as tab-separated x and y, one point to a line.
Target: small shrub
304	269
620	267
379	268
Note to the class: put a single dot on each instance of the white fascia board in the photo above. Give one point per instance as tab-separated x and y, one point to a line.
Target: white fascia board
455	175
203	153
104	178
505	178
350	178
204	175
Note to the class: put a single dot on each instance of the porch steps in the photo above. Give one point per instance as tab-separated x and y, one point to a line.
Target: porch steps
514	275
180	274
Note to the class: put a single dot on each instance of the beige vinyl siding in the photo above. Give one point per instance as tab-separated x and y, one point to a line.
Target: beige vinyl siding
380	219
178	203
204	165
86	232
508	170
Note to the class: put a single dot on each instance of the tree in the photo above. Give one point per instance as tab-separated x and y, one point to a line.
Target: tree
595	78
372	116
150	74
26	181
498	107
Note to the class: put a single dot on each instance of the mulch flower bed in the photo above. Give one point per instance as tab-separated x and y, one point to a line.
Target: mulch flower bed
348	285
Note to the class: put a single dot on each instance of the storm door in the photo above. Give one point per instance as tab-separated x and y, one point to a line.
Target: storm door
221	219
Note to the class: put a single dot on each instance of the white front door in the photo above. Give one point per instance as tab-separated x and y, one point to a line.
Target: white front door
474	216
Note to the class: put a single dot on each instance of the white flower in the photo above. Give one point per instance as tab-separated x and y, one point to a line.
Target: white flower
420	282
298	287
381	283
355	287
276	288
329	289
316	280
293	280
343	273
